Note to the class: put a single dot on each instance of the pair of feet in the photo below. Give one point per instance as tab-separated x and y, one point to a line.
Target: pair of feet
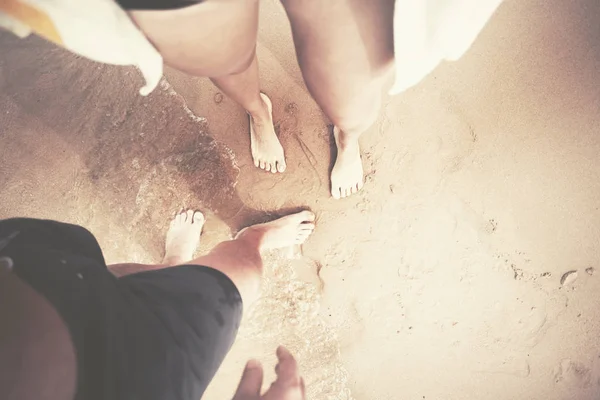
267	153
185	230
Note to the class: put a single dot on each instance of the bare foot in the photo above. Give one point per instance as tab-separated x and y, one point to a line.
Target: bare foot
283	232
182	237
266	149
347	174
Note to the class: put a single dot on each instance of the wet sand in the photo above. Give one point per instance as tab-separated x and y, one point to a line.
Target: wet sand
450	276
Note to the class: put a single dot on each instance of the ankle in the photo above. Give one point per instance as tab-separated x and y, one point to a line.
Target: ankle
172	261
258	110
346	142
348	146
252	236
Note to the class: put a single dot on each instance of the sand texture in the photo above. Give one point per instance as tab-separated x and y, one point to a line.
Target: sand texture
467	268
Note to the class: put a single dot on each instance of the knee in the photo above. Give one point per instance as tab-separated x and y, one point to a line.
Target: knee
218	65
239	255
357	115
235	63
351	101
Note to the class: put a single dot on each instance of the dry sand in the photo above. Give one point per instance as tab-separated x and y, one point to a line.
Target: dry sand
443	279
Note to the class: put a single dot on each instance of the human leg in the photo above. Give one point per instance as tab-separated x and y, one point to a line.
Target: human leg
200	303
59	278
155	334
239	259
217	39
37	358
345	49
180	245
244	89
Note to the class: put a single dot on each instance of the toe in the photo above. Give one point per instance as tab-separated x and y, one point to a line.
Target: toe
189	216
268	167
336	192
261	164
300	240
198	217
302	237
256	163
354	189
306	216
307	226
361	183
303	234
281	166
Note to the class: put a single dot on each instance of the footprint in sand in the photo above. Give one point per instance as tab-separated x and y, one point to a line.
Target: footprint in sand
514	365
572	373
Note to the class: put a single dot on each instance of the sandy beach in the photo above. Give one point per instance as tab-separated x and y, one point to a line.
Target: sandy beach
468	268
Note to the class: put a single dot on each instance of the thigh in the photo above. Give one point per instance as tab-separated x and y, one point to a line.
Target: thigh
212	38
344	47
337	32
200	309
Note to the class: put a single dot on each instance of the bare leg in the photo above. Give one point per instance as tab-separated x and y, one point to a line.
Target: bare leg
180	245
345	49
240	259
243	88
217	39
37	357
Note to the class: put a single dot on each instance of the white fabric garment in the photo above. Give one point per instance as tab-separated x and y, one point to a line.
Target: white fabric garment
426	32
96	29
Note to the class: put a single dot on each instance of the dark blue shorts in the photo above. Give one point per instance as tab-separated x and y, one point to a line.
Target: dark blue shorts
152	335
